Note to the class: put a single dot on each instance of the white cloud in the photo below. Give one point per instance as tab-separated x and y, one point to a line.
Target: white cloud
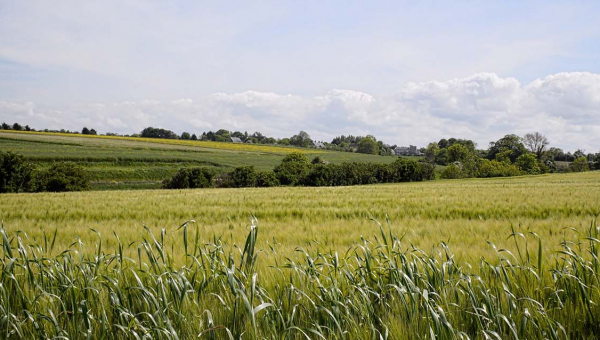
482	107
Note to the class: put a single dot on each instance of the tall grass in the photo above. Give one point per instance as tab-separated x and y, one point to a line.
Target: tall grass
380	288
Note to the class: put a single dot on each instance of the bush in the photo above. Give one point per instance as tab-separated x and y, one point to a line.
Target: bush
190	178
243	176
528	163
579	165
452	171
494	168
293	168
15	173
65	176
266	179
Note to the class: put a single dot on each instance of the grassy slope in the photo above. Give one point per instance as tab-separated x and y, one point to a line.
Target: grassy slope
142	162
463	212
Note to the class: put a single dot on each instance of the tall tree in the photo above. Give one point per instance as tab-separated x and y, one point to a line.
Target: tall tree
509	146
368	145
536	143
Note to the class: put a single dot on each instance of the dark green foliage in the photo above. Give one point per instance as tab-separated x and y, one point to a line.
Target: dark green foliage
266	179
493	168
64	176
301	139
318	160
15	173
17	127
186	136
452	171
528	163
579	165
293	168
368	145
509	146
243	177
190	178
151	132
402	170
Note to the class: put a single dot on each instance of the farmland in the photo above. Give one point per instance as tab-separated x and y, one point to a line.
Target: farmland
472	258
138	163
306	233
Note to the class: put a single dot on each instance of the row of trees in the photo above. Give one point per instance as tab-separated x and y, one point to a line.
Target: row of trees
296	170
19	127
444	152
17	175
509	156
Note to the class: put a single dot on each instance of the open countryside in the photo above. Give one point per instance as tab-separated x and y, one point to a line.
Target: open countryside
299	170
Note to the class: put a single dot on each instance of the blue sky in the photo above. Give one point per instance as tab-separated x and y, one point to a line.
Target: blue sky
481	69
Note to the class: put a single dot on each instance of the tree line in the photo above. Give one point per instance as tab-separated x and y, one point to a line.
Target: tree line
446	152
511	155
296	170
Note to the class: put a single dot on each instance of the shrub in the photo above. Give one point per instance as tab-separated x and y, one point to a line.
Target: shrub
266	179
293	168
528	163
15	173
452	171
64	176
579	165
243	176
190	178
494	168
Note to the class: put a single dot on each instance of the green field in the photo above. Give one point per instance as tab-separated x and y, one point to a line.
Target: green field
137	163
499	258
318	266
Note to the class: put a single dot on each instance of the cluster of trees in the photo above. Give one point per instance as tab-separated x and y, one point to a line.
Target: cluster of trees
511	155
16	127
367	144
151	132
17	175
19	127
296	170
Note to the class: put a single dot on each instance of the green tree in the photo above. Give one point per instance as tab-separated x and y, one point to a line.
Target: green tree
15	173
185	136
510	143
85	131
368	145
431	152
293	168
301	139
579	165
528	163
243	176
17	127
190	178
266	179
452	172
64	176
458	153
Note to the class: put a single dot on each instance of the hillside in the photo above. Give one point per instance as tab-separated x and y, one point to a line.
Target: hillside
142	163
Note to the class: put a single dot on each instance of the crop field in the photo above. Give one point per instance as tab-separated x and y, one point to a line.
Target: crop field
127	162
480	258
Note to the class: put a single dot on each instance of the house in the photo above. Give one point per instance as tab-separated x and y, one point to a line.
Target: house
318	145
235	140
407	151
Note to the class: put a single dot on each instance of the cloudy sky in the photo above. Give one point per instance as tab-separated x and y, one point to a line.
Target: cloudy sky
407	72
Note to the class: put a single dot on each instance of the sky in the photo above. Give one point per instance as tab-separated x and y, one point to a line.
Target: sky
406	72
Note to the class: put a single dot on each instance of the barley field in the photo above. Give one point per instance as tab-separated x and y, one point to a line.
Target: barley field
460	259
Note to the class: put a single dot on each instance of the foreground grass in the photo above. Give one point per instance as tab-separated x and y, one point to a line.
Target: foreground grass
380	288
